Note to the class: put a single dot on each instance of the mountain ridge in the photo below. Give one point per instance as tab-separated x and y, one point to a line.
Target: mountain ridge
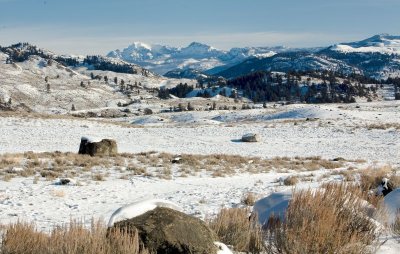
198	58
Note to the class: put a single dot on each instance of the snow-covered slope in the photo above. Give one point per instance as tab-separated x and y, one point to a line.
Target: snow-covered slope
378	57
382	43
25	84
48	86
283	62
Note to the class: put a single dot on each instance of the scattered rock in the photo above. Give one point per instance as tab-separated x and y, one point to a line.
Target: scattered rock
105	147
147	111
338	159
250	137
385	187
176	159
64	181
165	231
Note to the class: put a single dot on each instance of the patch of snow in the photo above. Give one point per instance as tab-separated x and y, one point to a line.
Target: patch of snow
392	204
138	208
273	204
222	248
371	49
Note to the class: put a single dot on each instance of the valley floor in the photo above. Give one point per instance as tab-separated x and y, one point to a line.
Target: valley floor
370	133
367	134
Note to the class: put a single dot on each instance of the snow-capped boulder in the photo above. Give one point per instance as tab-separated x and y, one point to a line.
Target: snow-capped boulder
138	208
392	204
274	204
105	147
222	248
250	137
164	230
65	181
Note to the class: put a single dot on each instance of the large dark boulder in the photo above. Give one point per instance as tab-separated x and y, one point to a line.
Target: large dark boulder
105	147
250	137
167	231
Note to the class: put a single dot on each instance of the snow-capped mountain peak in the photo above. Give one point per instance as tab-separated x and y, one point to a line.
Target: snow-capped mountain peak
196	55
200	46
199	50
381	43
140	45
139	52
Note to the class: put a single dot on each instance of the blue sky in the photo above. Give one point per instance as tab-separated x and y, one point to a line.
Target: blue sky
98	26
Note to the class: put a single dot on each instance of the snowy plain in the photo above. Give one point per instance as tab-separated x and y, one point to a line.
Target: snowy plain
331	131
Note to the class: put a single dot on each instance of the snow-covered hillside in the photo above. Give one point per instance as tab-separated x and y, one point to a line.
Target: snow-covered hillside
378	57
47	86
382	43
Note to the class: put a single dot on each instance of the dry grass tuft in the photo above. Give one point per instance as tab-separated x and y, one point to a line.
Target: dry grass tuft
234	227
58	193
348	175
371	177
249	199
53	165
7	178
396	224
291	180
136	169
98	177
329	221
22	238
383	126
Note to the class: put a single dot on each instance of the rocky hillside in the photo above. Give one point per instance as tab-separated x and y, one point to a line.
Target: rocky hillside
34	79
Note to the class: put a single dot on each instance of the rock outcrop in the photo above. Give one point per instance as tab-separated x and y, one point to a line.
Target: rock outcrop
105	147
250	137
166	231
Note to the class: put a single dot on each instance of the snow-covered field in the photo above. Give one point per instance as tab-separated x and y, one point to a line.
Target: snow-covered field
338	132
369	131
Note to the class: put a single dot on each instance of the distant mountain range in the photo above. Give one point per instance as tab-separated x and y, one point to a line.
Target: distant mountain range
35	79
201	57
378	57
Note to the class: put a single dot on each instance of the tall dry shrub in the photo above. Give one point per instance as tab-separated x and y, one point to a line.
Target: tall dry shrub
396	224
330	220
234	227
22	238
371	177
